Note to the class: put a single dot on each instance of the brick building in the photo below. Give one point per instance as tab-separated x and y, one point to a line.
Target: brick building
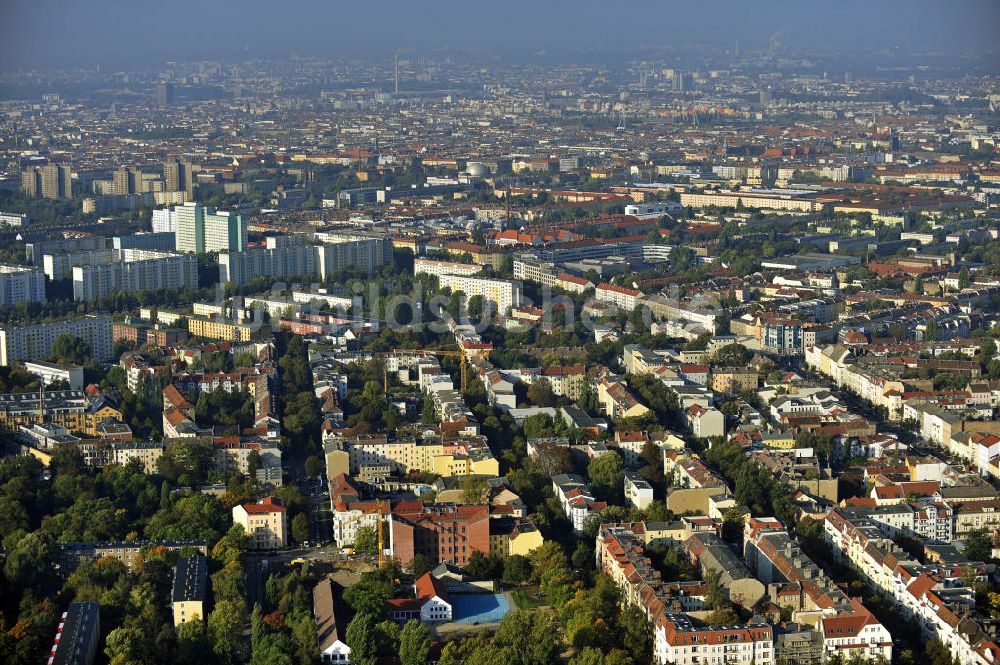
445	533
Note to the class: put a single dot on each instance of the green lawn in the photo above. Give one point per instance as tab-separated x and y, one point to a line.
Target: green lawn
528	598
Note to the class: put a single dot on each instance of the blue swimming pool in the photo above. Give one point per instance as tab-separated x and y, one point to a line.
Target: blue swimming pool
479	607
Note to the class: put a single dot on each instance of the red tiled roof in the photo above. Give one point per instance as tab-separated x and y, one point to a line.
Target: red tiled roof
266	505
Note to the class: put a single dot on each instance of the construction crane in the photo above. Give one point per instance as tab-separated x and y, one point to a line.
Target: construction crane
461	354
378	529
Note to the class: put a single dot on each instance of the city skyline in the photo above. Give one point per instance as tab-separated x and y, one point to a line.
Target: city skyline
100	32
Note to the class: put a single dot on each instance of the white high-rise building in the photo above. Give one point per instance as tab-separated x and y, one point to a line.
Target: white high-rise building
136	270
288	256
503	293
164	220
199	229
20	284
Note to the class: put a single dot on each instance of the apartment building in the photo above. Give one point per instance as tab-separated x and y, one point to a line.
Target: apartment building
677	640
199	229
19	343
705	422
265	522
619	296
734	380
226	329
935	596
763	200
846	626
445	533
366	254
165	221
77	636
712	554
691	483
576	498
620	554
438	268
135	270
51	372
638	492
128	552
513	536
140	333
162	242
21	284
976	515
72	409
566	380
504	294
189	594
147	452
855	633
529	268
52	181
453	458
348	517
14	220
59	265
617	400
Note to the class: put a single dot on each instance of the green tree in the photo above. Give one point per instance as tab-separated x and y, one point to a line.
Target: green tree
313	466
366	540
732	355
414	643
978	545
529	638
369	595
516	569
420	564
231	547
635	633
31	558
387	634
681	258
300	528
481	566
71	350
224	626
588	656
540	393
360	637
606	474
475	490
192	642
715	595
126	645
428	415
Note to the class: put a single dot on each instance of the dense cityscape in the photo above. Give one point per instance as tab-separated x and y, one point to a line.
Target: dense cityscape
644	355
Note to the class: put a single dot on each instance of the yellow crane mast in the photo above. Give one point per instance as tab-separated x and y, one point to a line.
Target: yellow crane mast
430	352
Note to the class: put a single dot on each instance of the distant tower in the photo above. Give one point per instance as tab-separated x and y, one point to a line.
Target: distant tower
397	73
164	94
765	97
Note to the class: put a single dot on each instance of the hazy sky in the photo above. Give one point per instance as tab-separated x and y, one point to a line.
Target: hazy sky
121	34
